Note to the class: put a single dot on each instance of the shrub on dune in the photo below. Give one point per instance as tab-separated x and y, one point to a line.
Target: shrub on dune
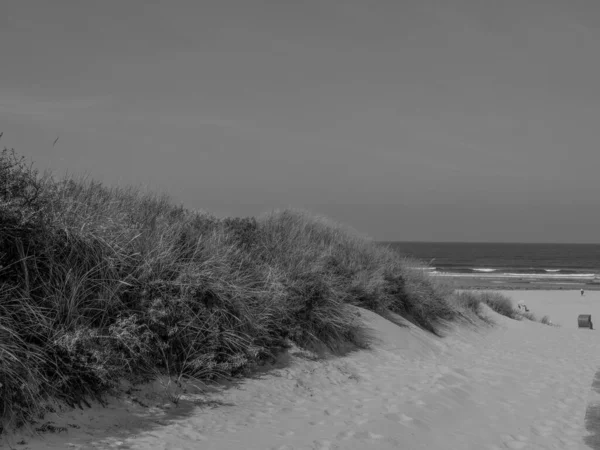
366	274
471	300
546	320
499	303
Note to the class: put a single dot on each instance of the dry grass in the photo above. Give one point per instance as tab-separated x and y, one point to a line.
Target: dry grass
499	303
472	300
100	284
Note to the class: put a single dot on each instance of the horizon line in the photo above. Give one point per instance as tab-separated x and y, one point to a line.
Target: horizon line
485	242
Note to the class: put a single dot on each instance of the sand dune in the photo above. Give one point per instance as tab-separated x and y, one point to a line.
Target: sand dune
517	385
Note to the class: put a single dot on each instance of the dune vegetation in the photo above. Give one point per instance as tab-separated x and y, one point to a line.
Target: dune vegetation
100	284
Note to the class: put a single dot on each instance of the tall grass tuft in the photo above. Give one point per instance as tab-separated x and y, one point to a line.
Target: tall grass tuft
499	303
359	271
472	301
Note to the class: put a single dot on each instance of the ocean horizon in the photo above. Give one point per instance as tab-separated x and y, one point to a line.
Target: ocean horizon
493	259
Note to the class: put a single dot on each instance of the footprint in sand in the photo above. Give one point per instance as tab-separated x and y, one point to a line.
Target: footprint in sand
368	435
324	445
412	422
314	423
392	416
393	408
516	442
345	435
286	433
405	419
541	430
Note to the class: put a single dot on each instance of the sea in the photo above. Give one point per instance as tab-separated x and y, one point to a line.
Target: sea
545	261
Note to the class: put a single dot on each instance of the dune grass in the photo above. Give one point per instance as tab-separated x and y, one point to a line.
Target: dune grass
499	303
100	284
472	300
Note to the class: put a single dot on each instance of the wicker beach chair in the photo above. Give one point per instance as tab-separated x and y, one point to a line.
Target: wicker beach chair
585	321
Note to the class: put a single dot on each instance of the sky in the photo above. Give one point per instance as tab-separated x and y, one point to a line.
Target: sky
425	120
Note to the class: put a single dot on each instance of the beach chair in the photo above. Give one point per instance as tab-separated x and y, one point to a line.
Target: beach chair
585	321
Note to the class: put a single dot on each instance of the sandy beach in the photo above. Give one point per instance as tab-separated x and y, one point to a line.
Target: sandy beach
563	307
516	385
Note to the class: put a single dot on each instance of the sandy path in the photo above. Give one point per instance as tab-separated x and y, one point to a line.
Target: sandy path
517	385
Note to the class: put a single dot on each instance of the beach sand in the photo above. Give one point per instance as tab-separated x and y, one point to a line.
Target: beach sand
563	307
515	385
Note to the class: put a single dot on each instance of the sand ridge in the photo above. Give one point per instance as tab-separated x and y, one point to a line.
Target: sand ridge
515	385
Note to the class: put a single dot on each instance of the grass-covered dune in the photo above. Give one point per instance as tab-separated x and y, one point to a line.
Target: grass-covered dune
100	284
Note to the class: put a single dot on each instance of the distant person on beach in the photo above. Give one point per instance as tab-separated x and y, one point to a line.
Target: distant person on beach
582	292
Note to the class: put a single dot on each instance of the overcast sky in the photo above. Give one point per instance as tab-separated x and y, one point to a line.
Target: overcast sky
435	120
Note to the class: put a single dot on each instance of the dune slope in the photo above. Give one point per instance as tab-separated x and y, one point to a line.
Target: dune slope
514	385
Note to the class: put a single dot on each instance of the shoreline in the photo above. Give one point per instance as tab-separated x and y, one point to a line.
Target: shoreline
499	283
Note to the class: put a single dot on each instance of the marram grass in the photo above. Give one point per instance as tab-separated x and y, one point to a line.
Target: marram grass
100	284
